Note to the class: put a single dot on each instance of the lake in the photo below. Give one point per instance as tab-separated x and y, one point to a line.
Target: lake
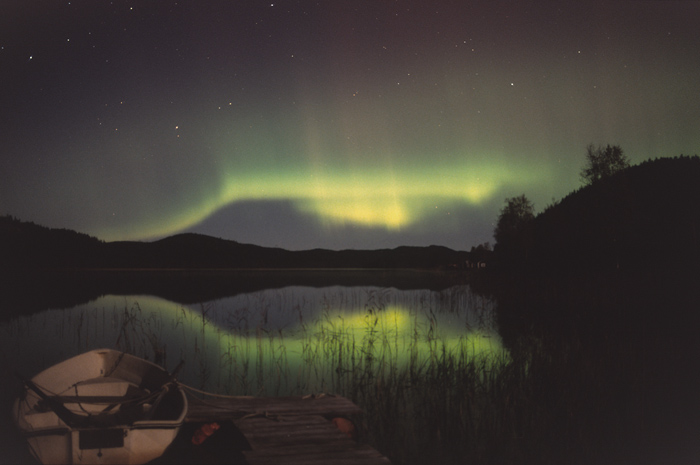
233	344
259	333
579	371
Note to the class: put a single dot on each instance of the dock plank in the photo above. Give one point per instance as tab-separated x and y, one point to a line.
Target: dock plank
219	409
363	456
289	430
307	439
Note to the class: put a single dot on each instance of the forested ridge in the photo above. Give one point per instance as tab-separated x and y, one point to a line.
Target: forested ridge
27	246
645	216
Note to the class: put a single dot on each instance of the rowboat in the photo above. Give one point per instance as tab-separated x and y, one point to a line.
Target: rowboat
101	407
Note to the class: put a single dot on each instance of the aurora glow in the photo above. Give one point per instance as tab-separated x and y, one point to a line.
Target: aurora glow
328	124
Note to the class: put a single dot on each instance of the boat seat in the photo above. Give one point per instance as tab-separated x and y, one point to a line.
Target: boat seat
98	395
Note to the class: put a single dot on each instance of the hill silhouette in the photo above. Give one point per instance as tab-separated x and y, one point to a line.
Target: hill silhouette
644	217
27	246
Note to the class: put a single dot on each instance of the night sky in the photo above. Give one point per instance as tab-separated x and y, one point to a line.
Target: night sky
334	124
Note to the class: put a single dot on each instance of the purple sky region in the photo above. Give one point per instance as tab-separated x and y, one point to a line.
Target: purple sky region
333	124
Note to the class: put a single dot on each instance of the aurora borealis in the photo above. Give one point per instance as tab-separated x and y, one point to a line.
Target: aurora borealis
335	124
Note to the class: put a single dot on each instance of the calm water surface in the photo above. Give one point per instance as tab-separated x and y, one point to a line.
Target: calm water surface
283	340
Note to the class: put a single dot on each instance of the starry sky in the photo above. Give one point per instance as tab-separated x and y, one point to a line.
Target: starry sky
334	124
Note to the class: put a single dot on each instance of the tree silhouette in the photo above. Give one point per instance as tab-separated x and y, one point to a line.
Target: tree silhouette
602	163
513	232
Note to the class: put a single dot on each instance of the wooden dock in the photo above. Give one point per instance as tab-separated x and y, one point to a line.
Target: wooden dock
289	430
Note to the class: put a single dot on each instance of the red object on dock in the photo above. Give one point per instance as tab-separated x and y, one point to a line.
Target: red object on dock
203	432
345	426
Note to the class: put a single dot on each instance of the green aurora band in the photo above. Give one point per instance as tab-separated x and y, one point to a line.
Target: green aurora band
339	194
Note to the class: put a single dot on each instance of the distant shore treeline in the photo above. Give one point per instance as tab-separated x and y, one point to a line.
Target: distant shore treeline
27	246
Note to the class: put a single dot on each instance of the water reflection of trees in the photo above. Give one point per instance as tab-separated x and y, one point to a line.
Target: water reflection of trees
69	288
611	361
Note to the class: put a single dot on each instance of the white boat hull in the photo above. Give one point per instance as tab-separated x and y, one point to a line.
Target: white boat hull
117	409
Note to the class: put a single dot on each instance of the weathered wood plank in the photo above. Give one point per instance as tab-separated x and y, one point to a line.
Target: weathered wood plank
263	433
306	439
220	409
363	455
289	430
285	457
